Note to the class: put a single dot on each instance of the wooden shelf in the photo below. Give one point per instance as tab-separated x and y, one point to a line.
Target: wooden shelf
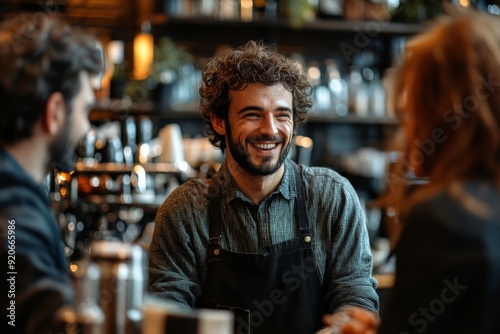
352	119
116	109
352	27
90	13
116	168
318	37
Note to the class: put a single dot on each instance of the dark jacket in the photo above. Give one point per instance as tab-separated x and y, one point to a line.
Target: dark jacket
448	266
32	256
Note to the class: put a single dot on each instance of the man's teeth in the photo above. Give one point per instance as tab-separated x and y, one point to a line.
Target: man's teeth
265	146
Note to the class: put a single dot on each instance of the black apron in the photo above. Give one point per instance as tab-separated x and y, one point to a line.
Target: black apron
276	290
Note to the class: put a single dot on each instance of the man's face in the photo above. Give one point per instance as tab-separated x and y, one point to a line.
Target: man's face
259	128
77	125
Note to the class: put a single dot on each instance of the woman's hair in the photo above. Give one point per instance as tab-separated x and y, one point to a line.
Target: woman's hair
447	91
254	62
40	55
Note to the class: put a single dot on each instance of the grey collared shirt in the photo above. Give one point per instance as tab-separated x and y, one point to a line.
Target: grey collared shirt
177	254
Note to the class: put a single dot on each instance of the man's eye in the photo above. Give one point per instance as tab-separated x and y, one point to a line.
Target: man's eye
285	115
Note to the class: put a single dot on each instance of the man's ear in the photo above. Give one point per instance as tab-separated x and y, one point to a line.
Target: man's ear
218	124
55	113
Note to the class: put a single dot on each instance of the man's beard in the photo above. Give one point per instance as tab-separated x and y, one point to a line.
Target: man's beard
62	152
242	157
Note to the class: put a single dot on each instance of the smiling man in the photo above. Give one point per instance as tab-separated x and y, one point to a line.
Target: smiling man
279	244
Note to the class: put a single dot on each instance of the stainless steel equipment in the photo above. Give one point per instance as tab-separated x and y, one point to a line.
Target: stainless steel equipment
122	286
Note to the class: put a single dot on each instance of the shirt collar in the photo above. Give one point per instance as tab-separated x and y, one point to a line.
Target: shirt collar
230	191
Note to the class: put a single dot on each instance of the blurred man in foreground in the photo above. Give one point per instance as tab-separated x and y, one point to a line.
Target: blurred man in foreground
46	95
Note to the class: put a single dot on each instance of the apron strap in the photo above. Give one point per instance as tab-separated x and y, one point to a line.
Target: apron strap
214	241
300	203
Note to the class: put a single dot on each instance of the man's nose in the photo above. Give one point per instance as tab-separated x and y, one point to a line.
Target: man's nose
269	125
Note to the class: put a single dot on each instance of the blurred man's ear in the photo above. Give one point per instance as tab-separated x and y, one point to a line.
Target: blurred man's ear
55	114
218	124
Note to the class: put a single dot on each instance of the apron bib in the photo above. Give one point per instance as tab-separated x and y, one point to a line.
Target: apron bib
276	290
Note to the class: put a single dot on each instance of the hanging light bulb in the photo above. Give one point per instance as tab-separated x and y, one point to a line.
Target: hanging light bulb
143	52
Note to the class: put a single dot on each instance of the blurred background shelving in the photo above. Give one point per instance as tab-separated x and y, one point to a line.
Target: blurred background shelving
156	50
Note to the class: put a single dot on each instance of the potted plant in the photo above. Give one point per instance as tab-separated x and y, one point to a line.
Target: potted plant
167	61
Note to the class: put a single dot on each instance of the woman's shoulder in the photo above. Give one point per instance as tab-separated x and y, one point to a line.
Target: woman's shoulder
473	200
466	212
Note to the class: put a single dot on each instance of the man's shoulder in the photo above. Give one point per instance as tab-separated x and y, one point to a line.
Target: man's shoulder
322	174
193	190
31	217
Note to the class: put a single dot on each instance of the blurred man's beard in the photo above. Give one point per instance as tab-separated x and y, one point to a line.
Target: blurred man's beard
62	152
242	157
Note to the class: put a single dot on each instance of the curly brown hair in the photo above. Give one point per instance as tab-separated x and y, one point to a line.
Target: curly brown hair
40	55
254	62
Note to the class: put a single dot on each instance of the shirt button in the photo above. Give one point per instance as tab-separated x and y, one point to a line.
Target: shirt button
216	252
307	238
